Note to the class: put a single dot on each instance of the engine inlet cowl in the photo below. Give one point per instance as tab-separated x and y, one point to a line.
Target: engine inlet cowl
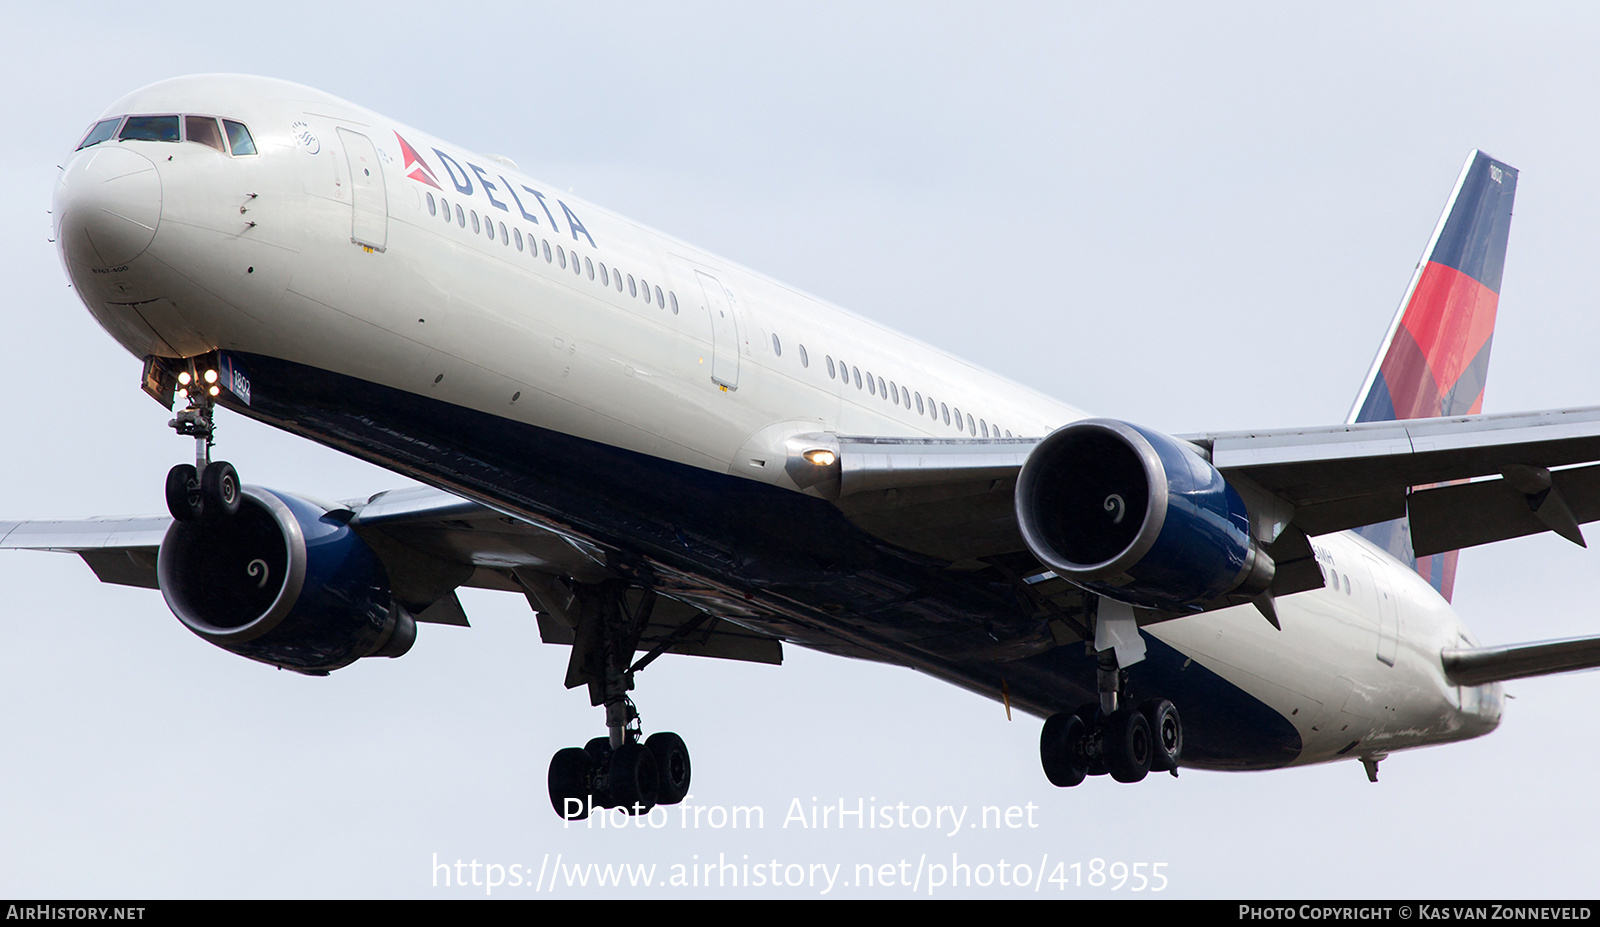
283	582
1137	516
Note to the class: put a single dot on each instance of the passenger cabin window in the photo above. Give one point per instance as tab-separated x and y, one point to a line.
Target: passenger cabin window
99	132
777	346
805	361
433	207
203	129
239	138
150	129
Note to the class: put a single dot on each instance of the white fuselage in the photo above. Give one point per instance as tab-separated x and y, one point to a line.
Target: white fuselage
300	253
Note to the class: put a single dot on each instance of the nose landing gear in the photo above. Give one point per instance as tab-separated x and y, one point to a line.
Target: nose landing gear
207	490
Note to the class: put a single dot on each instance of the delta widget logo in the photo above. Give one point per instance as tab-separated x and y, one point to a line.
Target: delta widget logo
415	167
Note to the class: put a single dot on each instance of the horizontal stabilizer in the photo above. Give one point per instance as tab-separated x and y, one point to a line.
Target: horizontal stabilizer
1479	665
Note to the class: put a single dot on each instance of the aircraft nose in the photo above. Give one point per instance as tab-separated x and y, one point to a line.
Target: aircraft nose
107	204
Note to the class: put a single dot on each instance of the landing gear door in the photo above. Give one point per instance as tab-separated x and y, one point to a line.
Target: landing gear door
724	332
369	226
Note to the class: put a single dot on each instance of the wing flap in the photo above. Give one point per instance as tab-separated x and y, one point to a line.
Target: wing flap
1468	514
123	566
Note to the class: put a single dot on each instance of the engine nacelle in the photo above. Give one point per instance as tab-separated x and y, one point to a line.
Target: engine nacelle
1137	516
285	583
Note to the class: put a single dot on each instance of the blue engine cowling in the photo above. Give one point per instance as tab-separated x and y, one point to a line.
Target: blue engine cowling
1137	516
283	582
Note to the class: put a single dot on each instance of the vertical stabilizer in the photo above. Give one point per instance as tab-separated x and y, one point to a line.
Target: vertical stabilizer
1435	358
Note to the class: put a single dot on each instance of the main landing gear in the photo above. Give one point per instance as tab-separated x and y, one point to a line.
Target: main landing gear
207	490
622	770
1115	736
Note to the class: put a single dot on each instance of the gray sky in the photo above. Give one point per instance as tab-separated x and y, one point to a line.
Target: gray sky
1189	219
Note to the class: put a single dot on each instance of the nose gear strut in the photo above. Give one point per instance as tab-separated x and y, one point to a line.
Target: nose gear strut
207	490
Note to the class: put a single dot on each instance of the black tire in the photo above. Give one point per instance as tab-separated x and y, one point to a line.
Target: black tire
571	772
219	491
1093	747
672	766
1166	734
599	751
632	782
183	493
1128	745
1061	750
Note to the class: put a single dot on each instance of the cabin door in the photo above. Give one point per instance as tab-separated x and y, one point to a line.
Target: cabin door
724	332
369	226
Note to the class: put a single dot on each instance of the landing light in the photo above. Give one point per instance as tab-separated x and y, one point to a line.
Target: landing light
822	457
211	377
184	378
215	390
183	394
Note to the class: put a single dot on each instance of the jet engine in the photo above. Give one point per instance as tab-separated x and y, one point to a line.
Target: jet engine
283	582
1137	516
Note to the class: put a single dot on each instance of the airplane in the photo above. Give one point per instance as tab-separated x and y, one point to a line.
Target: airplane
665	452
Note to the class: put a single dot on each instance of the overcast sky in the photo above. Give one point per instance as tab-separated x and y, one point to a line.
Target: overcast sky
1190	218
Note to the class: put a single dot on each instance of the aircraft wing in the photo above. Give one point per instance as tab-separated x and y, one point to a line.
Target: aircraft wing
1347	476
119	550
954	498
431	543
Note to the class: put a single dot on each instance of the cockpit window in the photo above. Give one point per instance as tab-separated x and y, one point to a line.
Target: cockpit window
203	129
150	129
239	138
99	132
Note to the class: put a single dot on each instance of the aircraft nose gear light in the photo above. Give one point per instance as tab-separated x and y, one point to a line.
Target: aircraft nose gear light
207	490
